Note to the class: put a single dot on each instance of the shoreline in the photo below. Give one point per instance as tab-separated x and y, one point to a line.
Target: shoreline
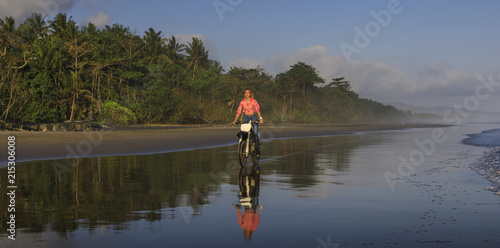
137	140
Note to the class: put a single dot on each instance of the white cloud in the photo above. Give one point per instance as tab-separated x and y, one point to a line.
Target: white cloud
431	85
364	75
100	20
21	9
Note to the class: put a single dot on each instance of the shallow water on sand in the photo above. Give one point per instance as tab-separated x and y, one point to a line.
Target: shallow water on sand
405	188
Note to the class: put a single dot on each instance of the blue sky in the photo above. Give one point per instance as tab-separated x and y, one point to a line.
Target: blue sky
427	53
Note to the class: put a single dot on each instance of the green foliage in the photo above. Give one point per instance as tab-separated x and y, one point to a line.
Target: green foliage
197	55
160	94
113	113
41	106
341	84
54	70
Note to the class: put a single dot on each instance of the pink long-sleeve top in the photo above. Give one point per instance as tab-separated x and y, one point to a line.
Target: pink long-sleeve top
248	107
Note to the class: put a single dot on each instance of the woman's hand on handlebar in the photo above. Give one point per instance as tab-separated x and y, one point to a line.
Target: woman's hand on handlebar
239	122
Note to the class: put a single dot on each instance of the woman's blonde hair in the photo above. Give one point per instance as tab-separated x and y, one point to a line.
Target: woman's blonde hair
251	92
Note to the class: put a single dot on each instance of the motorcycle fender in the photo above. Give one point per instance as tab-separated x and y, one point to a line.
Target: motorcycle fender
242	135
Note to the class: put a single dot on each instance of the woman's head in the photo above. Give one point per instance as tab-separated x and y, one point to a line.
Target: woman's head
249	92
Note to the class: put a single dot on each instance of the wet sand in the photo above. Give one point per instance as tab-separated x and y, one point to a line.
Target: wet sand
32	146
336	188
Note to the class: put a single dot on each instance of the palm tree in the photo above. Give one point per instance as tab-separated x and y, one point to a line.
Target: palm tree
35	26
154	44
218	68
8	25
174	49
59	24
197	55
46	56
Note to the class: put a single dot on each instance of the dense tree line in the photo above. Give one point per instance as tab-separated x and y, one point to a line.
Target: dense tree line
54	71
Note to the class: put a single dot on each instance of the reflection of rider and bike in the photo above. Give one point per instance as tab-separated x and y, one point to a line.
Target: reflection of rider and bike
248	208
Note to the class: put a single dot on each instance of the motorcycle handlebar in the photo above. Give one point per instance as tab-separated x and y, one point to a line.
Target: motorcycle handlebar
256	122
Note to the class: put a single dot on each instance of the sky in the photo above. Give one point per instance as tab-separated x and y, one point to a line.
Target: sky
424	53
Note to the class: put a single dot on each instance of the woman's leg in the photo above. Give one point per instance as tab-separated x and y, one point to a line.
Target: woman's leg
247	119
255	128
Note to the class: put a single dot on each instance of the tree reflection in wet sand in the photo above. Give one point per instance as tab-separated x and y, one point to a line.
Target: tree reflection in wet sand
65	195
304	190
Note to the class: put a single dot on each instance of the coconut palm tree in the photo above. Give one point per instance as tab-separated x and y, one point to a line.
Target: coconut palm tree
35	26
218	68
8	25
154	45
46	56
174	50
59	24
197	55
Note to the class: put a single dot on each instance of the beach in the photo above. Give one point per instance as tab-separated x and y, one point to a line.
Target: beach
131	140
388	185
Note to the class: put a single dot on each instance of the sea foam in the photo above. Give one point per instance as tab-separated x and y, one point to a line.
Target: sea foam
489	164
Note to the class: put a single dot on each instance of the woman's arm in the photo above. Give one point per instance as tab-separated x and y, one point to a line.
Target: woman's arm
257	109
235	119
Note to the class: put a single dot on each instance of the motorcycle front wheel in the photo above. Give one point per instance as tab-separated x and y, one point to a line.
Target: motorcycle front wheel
255	153
242	154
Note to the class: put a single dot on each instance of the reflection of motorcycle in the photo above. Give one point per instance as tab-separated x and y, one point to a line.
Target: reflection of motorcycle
249	201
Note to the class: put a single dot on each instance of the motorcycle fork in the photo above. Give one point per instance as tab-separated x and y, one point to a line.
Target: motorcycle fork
247	149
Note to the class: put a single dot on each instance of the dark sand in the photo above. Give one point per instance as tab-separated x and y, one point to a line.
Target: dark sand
157	139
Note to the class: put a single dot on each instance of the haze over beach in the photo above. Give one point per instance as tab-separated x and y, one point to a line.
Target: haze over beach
422	53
